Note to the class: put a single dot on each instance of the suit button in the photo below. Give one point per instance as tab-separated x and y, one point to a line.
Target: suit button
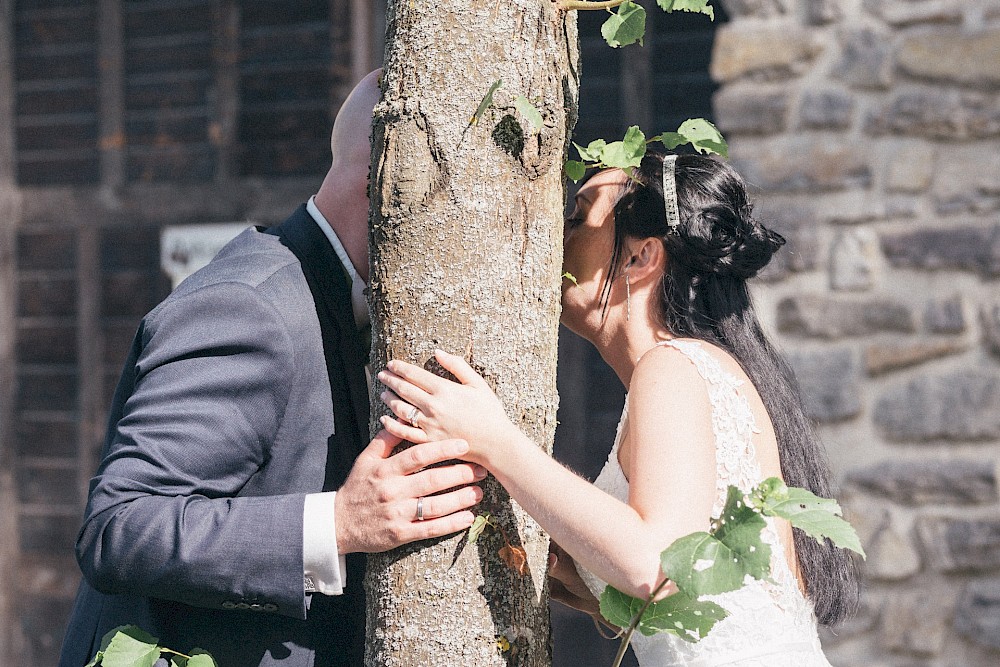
242	605
270	607
228	605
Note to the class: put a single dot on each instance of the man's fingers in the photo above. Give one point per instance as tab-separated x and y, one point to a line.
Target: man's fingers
435	480
434	507
382	444
458	367
446	525
420	456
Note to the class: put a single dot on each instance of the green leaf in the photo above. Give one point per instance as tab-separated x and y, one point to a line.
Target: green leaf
619	609
704	136
97	660
678	614
131	646
626	27
707	564
593	151
670	139
478	526
683	616
698	6
739	528
486	103
528	110
177	660
701	134
818	517
201	658
627	153
570	277
574	170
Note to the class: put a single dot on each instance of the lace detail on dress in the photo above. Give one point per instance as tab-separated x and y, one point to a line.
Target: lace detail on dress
770	622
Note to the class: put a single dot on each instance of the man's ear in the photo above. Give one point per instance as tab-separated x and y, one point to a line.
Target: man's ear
647	258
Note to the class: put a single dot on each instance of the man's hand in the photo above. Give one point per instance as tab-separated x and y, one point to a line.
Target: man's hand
376	508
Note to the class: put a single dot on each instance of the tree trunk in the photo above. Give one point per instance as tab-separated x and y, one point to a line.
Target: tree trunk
466	253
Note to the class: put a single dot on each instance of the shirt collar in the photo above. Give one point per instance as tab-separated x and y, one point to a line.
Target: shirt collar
359	302
338	247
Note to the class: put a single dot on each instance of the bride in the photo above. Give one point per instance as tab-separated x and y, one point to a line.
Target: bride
661	262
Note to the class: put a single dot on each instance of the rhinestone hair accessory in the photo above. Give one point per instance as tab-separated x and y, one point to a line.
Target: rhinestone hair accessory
670	193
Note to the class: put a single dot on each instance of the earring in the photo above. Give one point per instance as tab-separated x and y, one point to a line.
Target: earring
628	299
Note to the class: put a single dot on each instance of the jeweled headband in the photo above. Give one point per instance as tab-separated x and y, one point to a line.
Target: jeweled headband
670	193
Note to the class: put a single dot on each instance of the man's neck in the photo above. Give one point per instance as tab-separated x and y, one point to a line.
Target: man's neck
349	221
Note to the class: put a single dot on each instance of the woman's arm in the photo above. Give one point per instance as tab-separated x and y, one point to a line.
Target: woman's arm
668	456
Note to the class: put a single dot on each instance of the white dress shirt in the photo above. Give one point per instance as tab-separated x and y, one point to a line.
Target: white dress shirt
325	569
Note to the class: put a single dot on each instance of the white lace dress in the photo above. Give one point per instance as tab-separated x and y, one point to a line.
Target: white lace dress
769	624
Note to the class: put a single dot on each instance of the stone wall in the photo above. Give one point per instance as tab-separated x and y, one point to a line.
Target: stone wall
872	130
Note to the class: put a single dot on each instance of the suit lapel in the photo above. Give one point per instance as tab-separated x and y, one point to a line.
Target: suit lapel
331	291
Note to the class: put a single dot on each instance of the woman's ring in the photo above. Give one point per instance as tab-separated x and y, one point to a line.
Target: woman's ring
420	509
412	417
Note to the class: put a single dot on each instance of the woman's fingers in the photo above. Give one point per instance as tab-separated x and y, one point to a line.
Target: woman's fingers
416	376
400	408
458	367
403	432
404	389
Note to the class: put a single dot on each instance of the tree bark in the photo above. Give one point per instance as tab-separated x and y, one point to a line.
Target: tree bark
466	255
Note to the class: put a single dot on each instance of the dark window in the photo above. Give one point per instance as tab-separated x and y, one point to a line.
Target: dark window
287	72
55	50
680	86
168	79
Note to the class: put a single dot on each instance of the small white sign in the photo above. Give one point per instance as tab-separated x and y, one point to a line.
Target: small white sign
186	248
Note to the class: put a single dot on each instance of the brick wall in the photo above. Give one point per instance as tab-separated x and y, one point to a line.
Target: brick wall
872	130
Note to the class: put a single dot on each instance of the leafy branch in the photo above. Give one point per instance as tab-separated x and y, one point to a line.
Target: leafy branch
721	560
130	646
628	25
627	154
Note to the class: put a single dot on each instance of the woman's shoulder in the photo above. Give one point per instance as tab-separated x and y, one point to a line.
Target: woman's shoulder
705	357
669	372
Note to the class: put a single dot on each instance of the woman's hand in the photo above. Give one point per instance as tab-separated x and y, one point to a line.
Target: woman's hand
565	584
429	407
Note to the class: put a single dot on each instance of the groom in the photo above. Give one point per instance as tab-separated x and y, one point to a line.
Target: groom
236	495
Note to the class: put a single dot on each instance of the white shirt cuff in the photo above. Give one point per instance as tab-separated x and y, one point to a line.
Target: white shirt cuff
325	569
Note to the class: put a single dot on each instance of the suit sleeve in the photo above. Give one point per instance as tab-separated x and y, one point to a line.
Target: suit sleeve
165	517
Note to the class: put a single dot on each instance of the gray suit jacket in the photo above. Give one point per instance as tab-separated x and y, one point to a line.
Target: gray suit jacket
242	393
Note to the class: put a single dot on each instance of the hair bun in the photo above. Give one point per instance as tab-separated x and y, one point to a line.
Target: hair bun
725	244
747	258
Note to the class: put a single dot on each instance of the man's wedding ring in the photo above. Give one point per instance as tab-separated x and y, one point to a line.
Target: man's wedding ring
412	417
420	509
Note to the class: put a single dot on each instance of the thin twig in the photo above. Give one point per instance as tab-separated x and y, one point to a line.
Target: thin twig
570	5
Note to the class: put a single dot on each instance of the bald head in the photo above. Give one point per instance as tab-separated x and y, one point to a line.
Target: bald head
350	140
343	196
